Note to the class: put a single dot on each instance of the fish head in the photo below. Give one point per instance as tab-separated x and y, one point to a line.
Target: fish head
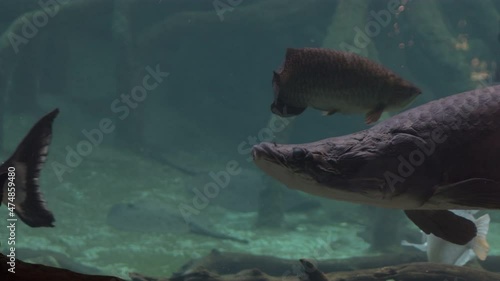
404	93
279	106
325	169
282	109
410	90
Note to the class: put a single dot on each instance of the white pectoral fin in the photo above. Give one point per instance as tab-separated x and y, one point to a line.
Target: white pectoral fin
464	258
421	247
468	214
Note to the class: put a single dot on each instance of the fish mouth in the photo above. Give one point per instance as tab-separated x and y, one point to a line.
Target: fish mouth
267	152
277	161
275	110
272	160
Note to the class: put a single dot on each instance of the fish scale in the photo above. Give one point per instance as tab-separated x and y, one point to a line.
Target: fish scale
451	110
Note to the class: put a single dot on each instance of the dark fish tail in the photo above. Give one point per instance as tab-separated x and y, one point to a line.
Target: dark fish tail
27	161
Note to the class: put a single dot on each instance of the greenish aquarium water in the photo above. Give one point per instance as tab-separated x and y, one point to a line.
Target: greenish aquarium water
250	140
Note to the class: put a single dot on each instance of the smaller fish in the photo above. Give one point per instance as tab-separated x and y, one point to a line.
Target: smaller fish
19	186
442	251
337	82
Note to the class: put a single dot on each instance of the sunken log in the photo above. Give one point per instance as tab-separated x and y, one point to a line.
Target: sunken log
409	272
231	263
418	271
225	263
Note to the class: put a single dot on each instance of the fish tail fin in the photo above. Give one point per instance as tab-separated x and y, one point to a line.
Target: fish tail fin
479	244
25	165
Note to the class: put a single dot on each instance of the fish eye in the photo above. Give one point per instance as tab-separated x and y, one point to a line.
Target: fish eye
298	153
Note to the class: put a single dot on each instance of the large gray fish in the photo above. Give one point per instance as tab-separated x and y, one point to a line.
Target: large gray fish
439	156
19	184
336	81
150	216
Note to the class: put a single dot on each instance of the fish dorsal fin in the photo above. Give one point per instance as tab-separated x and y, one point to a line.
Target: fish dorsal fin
475	192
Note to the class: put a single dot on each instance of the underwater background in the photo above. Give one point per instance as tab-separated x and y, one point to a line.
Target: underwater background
155	148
